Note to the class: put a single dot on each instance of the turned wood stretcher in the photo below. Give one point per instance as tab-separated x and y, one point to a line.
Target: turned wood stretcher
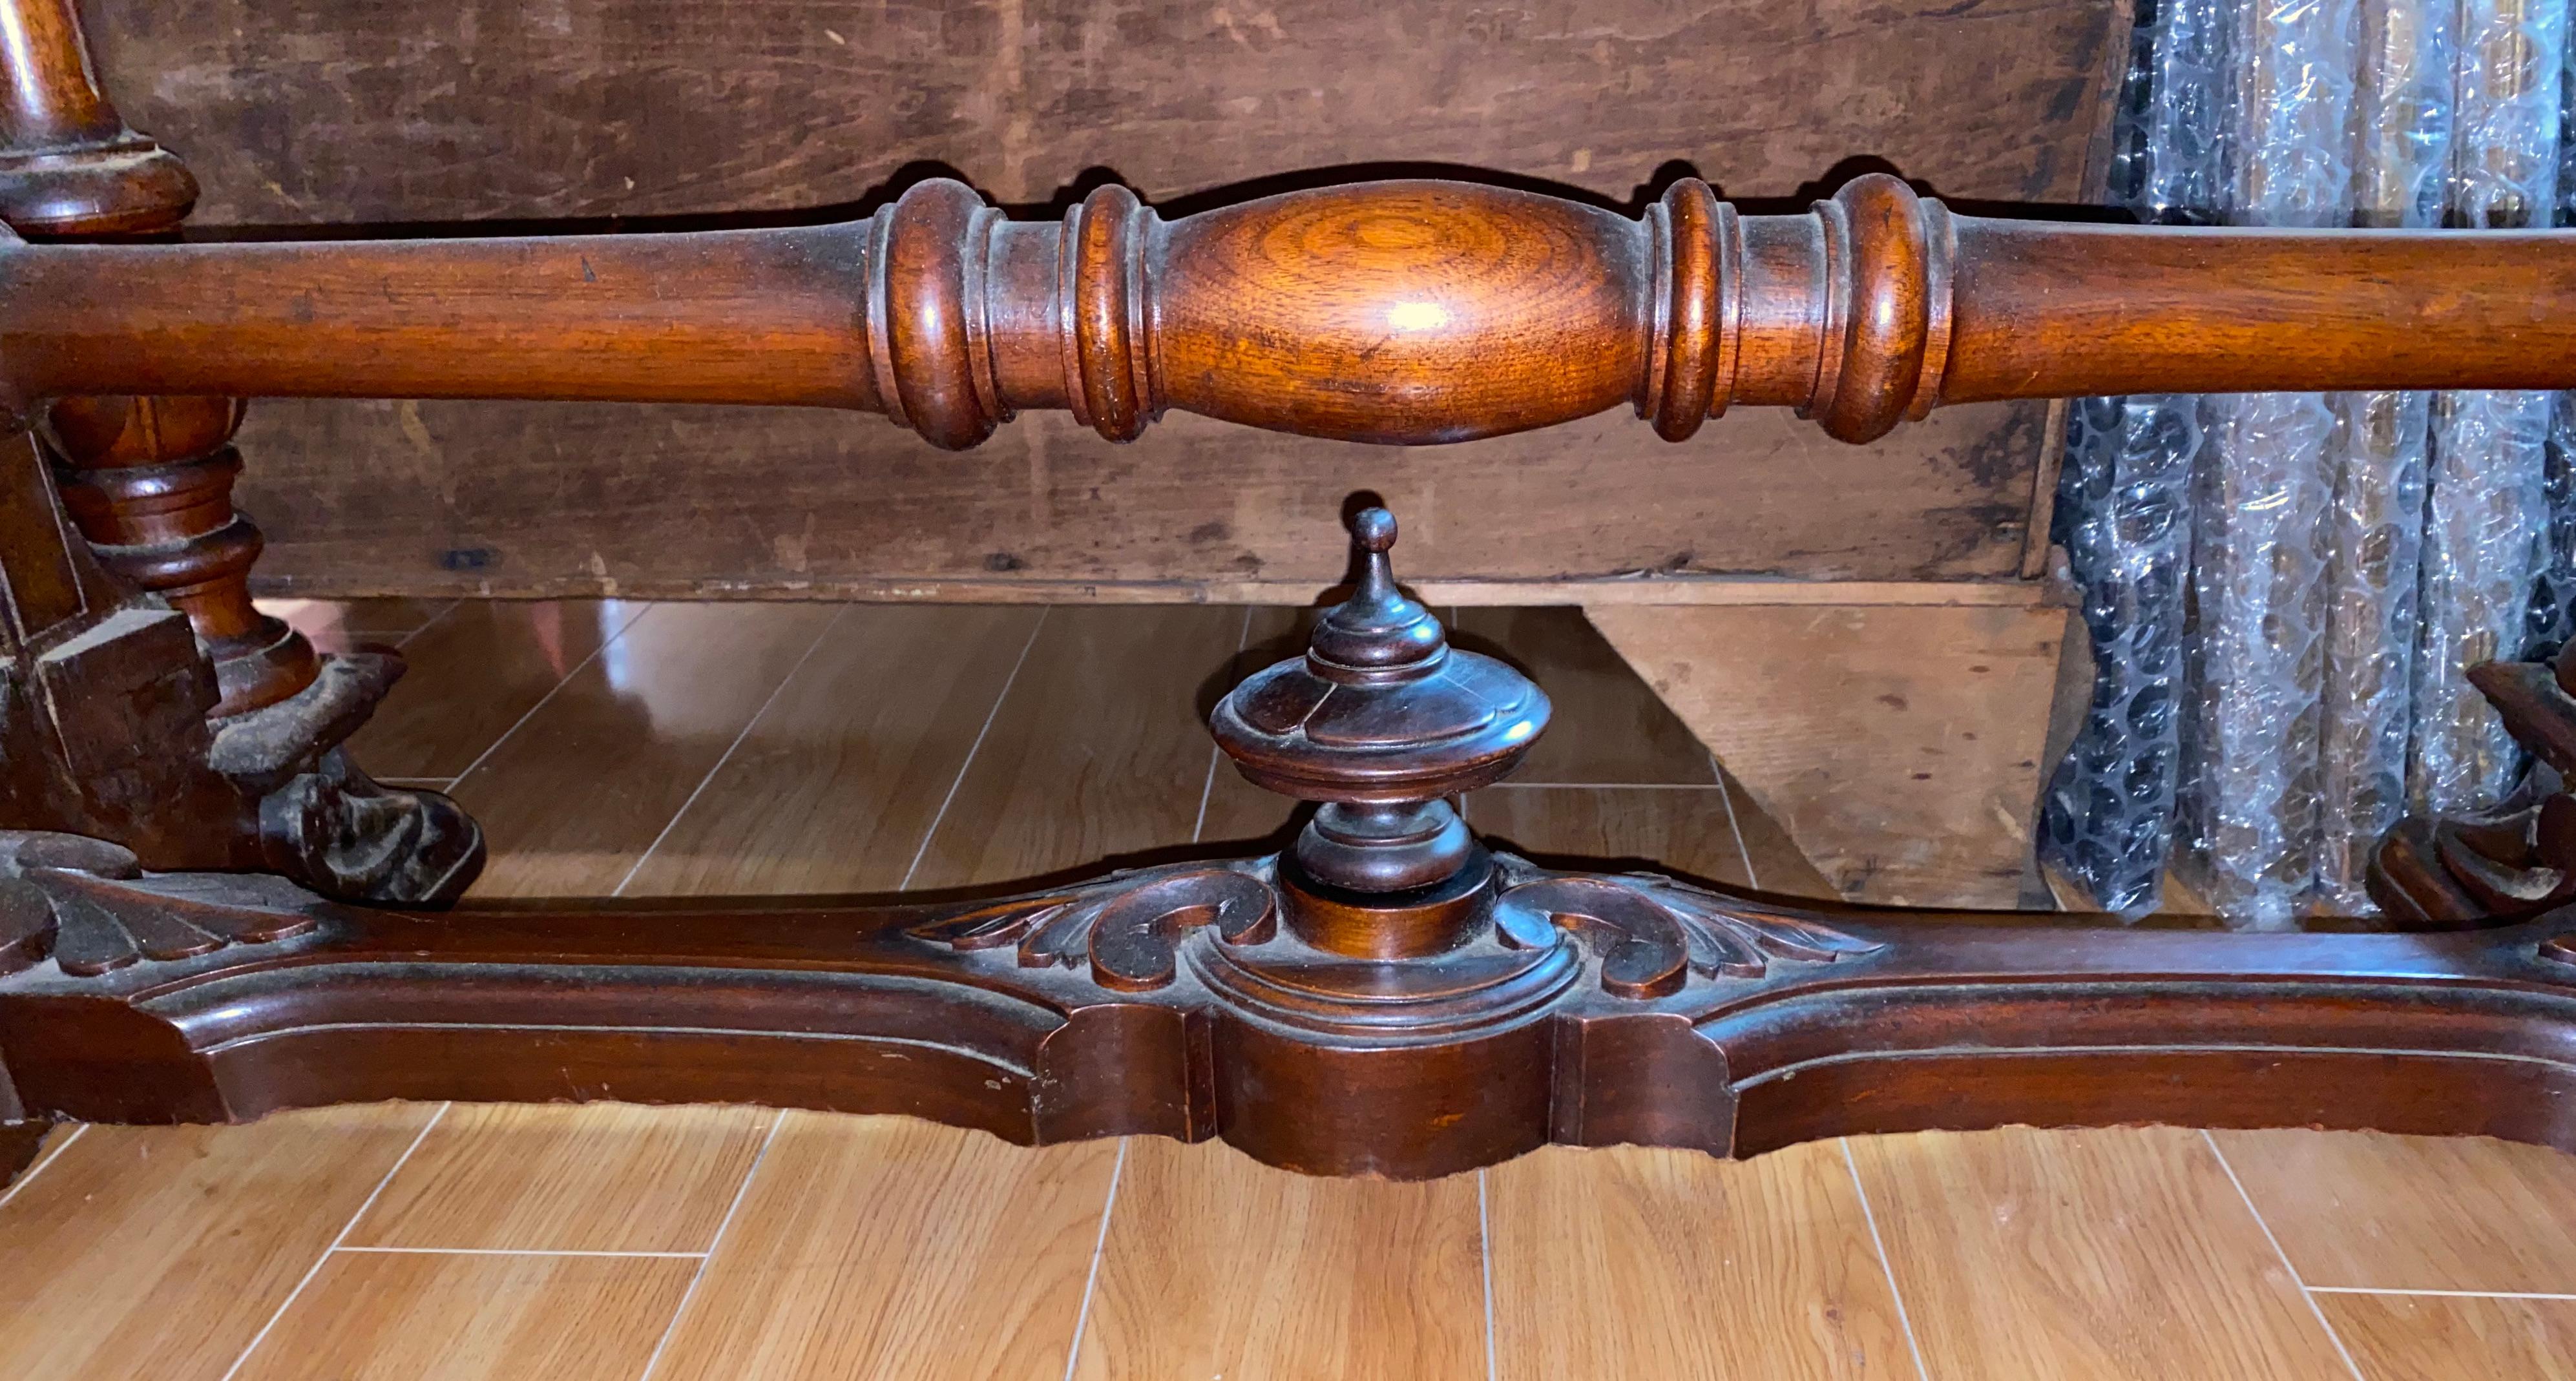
207	911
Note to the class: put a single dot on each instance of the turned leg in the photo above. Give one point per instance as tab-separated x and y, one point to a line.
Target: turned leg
149	483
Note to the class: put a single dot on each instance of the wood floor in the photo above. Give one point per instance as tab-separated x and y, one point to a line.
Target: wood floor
679	748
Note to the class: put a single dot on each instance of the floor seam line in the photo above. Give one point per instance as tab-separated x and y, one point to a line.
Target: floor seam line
1734	826
551	692
972	749
505	1251
42	1163
2438	1294
1099	1247
423	626
2306	1295
741	1192
324	1258
1886	1266
1485	1239
730	749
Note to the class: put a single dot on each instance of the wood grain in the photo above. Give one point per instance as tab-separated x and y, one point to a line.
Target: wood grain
882	1246
152	1253
2436	1338
466	498
1899	746
1658	1264
371	1316
1097	752
607	1177
1681	831
1216	1266
836	784
2413	1213
1776	861
474	674
576	794
2084	1254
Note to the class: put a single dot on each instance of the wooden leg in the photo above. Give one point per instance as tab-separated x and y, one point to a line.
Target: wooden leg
254	777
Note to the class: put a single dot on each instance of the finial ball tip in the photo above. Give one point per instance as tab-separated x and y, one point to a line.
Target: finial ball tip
1373	529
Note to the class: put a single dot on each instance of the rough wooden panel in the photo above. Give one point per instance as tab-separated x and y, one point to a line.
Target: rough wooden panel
312	111
529	499
1901	746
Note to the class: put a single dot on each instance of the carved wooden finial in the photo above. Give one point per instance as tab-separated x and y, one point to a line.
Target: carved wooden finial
1381	720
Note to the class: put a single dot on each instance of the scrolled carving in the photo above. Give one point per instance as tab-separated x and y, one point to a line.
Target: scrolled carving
1128	927
1652	933
88	905
2505	864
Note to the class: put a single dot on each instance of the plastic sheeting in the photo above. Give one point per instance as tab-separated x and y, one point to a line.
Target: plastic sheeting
2255	648
2375	522
2123	509
2487	509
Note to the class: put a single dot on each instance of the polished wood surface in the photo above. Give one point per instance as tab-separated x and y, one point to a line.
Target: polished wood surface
1404	311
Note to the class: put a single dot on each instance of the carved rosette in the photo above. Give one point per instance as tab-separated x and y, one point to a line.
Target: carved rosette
87	905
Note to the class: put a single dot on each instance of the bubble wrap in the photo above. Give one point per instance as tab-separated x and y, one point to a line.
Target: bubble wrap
2256	648
2486	507
2553	597
2375	520
2123	502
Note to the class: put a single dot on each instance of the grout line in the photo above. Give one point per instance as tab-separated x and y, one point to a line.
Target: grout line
972	749
727	756
1099	1244
1485	1236
406	638
1885	1266
641	610
2436	1294
2306	1295
1207	788
499	1251
1735	827
742	1191
345	1229
39	1167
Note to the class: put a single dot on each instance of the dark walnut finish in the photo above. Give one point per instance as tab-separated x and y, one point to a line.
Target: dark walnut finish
148	482
1404	312
1388	998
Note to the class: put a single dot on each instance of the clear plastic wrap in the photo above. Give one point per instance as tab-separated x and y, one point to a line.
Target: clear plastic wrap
2553	596
2256	647
2124	493
2486	507
2375	521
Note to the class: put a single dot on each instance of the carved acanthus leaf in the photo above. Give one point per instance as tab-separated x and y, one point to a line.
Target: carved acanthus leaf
89	906
1127	926
1652	933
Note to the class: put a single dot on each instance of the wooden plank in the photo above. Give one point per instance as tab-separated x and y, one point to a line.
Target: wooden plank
375	110
2363	1210
2090	1254
882	1246
371	1316
1902	747
2419	1338
599	1177
1217	1266
1628	1262
157	1253
530	499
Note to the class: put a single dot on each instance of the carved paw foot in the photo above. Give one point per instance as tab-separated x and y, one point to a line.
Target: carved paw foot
348	837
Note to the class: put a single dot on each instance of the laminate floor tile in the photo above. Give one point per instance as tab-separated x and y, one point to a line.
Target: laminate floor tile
158	1253
1686	831
1666	1265
573	797
608	1177
386	618
1607	727
837	782
2413	1213
1217	1266
882	1247
403	1316
473	674
2076	1255
1098	751
2455	1338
